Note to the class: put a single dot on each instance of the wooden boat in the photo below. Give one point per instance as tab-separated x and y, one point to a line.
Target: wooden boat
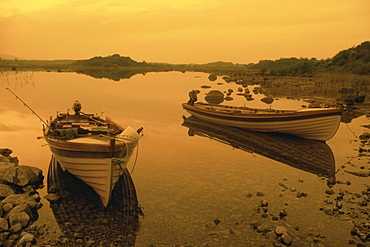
77	209
311	156
310	123
91	148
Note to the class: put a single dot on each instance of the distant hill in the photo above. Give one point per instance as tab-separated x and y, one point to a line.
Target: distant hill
110	61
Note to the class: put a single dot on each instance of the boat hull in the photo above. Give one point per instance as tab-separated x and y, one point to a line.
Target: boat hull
317	124
100	174
97	161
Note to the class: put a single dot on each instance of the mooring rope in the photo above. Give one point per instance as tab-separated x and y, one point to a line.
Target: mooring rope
344	164
137	155
352	132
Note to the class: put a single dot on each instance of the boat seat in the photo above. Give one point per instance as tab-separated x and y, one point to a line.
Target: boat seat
66	134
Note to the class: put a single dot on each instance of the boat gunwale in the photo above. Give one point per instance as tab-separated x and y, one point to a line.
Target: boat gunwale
265	117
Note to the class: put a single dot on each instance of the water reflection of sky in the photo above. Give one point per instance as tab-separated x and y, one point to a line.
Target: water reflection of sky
152	101
182	182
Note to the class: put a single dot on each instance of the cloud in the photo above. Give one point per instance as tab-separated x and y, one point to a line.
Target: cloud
16	121
14	7
4	127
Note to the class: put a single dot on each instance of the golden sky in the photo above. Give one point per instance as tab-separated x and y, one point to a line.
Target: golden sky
186	31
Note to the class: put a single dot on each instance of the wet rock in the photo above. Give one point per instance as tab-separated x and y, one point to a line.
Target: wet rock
212	77
214	97
16	228
301	194
329	192
7	207
338	204
275	218
5	152
260	194
360	173
286	239
255	224
52	197
23	175
283	213
329	211
90	243
263	228
283	185
264	203
264	215
363	203
16	199
19	218
293	189
267	100
19	209
365	136
6	190
280	230
249	195
19	200
4	226
277	244
26	238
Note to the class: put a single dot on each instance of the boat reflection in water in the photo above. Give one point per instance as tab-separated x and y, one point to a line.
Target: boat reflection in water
308	155
81	217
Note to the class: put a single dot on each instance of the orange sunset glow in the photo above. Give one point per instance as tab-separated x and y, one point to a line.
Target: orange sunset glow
192	31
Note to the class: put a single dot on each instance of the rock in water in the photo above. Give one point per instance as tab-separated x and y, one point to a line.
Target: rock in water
5	151
267	100
280	230
23	175
52	197
215	97
283	213
212	77
286	239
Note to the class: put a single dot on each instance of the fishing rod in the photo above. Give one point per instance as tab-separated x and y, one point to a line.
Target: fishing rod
24	104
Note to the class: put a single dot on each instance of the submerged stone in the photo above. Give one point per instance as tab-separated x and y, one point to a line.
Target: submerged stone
283	213
286	238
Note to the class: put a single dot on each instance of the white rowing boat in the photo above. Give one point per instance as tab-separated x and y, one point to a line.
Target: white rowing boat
310	123
91	148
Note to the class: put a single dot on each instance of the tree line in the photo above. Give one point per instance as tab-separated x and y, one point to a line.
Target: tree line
354	60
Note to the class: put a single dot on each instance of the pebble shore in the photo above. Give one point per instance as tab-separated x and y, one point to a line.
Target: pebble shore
20	201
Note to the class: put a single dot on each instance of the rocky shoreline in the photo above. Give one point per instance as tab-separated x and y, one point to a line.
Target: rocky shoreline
20	201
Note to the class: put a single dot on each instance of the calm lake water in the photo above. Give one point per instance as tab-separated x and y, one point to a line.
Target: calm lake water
195	190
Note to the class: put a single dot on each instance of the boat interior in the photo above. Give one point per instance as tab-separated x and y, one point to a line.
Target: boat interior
241	109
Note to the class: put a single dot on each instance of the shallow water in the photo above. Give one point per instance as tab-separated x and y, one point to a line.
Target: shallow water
186	184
